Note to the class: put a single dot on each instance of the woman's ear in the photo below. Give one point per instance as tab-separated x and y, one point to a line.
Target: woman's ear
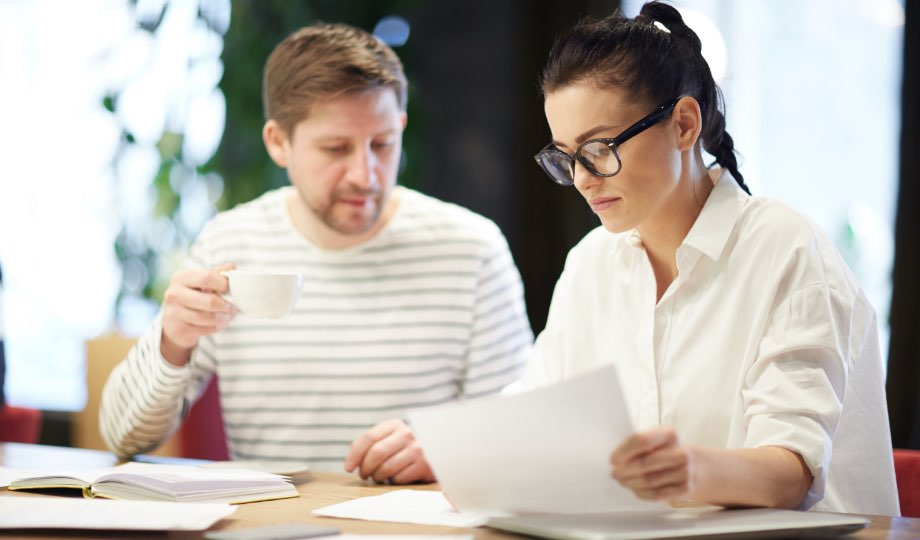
276	142
689	122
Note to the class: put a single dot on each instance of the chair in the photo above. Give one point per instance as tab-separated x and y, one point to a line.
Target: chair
907	472
202	433
19	424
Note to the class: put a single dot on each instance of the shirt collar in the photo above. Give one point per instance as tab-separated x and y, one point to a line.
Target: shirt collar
712	227
717	219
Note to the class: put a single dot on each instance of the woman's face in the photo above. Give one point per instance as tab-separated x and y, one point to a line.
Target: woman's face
651	161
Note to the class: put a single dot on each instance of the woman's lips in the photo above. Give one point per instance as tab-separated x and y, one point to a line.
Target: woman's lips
600	204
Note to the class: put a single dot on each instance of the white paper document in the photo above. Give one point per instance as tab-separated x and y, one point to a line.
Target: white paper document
403	506
66	513
404	537
543	451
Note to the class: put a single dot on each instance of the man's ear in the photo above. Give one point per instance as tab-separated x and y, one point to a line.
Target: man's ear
689	120
276	142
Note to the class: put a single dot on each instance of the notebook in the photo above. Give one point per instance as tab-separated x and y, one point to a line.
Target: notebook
138	481
708	522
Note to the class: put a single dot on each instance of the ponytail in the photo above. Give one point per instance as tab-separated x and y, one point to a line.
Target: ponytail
715	138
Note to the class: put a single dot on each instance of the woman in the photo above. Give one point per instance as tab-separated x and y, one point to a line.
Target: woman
747	352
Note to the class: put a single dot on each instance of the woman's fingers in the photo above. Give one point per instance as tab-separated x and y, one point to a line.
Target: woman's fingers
653	465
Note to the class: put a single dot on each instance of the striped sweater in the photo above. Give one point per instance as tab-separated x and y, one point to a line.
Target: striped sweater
429	311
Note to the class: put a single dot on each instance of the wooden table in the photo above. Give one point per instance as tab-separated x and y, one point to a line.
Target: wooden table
316	490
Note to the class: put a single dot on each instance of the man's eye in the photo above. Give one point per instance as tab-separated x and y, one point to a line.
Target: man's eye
381	145
335	149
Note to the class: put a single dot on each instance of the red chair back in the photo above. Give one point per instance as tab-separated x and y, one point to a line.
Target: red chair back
18	424
907	471
202	433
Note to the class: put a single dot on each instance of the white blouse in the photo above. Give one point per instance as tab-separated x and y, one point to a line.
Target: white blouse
763	339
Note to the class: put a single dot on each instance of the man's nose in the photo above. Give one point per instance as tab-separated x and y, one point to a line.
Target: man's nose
362	169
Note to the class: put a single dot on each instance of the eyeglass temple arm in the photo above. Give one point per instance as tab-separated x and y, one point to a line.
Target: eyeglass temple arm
653	118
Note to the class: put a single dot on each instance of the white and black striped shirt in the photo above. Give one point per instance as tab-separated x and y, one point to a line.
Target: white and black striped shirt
429	311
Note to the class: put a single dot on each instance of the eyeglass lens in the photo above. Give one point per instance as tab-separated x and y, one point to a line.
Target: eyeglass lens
558	166
602	156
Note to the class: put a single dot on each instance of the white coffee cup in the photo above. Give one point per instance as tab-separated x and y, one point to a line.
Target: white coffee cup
263	293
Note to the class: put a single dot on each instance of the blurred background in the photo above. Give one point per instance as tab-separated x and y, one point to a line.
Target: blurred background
126	124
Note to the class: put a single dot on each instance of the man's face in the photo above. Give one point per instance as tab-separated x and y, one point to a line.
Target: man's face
343	160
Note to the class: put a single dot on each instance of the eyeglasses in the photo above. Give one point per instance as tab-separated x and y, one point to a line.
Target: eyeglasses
599	156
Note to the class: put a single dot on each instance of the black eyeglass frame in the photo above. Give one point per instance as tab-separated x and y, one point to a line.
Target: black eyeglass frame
647	121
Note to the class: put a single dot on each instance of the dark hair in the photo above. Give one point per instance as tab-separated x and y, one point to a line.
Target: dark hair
648	61
325	60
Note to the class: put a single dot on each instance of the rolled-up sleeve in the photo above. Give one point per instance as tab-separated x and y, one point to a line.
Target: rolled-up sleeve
793	393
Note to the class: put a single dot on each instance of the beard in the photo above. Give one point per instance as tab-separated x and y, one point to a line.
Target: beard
342	215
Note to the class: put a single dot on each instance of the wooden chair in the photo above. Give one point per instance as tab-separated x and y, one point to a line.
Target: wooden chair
201	435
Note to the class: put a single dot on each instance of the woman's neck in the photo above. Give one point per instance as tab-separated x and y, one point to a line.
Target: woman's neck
664	232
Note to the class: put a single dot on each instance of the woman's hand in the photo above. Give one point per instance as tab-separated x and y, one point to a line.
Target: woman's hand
654	465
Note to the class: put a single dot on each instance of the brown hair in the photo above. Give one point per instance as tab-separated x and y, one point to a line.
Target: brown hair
323	61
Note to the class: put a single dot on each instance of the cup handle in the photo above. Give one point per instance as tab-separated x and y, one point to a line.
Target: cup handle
226	296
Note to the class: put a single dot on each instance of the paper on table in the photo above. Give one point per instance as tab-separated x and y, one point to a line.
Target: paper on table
544	451
65	513
402	506
404	537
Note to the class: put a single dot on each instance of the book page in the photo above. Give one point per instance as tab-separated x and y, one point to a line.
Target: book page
191	484
71	478
545	451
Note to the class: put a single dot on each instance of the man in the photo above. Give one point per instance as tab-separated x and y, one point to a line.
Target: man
407	302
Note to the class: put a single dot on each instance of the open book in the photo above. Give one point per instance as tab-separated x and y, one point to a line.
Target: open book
141	481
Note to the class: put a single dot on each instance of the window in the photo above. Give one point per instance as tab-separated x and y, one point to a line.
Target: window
80	166
813	102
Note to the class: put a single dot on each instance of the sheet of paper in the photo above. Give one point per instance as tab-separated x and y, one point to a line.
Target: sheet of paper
67	513
403	506
403	537
543	451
